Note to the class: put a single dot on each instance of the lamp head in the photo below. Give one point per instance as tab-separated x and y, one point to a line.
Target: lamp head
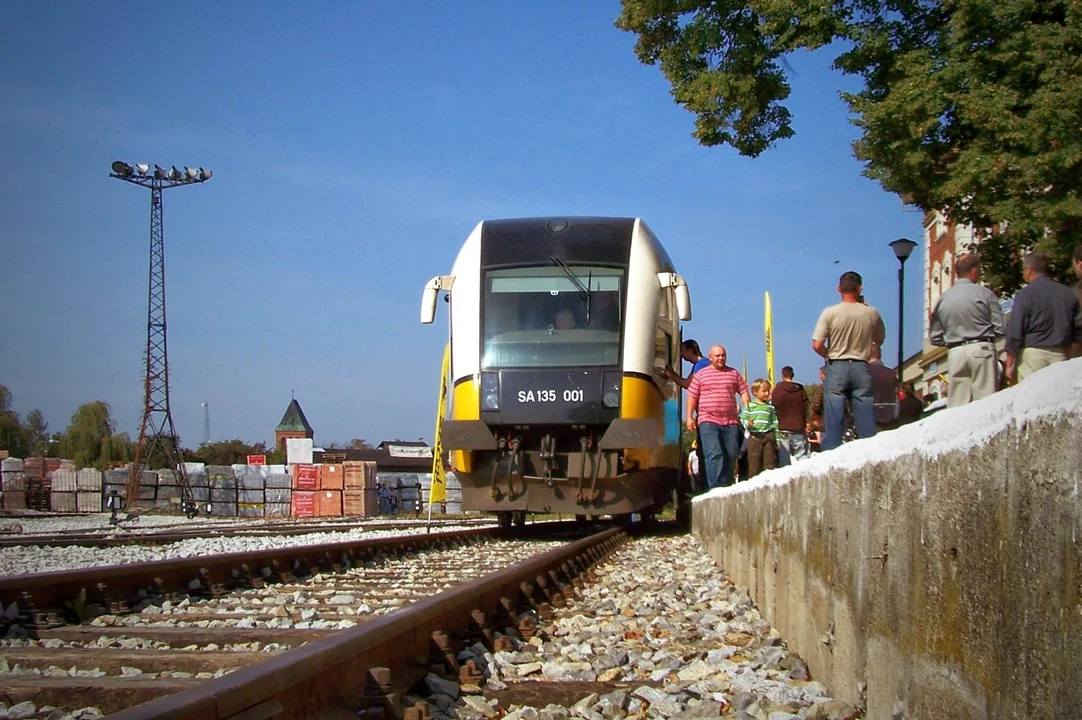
122	168
903	248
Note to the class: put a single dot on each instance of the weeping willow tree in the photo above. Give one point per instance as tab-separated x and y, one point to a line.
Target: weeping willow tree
12	437
91	440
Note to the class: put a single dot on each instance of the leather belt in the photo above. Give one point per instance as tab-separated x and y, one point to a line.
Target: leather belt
970	342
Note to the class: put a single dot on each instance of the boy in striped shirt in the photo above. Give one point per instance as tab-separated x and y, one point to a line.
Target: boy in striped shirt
761	422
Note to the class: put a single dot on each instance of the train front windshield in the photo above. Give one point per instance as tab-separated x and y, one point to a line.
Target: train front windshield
557	316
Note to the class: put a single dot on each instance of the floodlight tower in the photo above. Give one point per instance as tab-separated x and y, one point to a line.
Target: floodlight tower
157	433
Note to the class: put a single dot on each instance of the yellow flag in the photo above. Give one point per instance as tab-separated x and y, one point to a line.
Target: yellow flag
438	492
769	342
745	366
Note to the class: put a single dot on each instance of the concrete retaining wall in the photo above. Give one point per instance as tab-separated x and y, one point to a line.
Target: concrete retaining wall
939	582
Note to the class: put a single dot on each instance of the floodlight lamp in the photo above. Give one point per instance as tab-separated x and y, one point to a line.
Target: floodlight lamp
175	174
205	174
160	172
122	168
142	168
191	172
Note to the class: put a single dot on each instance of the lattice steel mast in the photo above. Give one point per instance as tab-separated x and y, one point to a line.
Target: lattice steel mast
157	433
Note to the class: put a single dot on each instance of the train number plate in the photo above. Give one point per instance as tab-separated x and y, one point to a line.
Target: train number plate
576	395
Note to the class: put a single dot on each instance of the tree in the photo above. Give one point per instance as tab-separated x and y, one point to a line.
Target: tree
36	434
90	439
970	107
11	430
227	452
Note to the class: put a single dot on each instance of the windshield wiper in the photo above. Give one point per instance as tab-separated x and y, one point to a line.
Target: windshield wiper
584	290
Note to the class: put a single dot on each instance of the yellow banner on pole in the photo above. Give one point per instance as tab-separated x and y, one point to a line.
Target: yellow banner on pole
746	367
769	342
438	493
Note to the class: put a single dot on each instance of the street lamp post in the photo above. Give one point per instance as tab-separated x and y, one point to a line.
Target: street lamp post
903	248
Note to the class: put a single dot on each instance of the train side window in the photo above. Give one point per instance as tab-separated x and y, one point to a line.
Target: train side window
662	349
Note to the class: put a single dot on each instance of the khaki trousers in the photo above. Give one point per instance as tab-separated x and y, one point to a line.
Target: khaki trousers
1033	359
972	370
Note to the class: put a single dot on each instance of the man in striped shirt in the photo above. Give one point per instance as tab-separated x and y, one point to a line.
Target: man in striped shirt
712	409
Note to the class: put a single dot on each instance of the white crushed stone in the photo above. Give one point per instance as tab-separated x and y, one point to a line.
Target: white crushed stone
1049	394
18	559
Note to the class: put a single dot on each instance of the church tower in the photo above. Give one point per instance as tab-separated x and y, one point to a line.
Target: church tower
294	425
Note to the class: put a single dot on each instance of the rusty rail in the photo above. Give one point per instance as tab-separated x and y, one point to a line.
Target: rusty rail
369	667
43	597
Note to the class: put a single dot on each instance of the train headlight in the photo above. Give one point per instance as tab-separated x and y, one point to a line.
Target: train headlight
490	391
610	389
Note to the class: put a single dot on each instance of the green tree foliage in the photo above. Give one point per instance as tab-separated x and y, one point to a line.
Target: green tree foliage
12	437
36	434
90	439
227	452
971	106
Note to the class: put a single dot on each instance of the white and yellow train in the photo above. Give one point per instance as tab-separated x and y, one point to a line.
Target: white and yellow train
560	329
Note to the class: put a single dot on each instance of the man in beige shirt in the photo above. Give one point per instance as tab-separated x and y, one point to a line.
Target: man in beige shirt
844	336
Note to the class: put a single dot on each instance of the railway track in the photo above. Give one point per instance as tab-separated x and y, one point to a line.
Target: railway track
131	534
204	610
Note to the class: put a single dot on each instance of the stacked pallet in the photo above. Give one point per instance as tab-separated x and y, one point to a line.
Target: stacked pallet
12	484
277	490
199	482
223	490
250	494
359	489
305	490
38	481
331	486
88	488
62	491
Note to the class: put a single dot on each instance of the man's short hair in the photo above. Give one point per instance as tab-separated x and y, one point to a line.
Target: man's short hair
965	264
1036	261
876	352
692	346
1077	254
787	372
850	282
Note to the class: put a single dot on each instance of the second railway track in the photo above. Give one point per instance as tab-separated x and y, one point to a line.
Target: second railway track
163	628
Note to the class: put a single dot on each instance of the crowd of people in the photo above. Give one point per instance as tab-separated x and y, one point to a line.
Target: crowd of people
858	395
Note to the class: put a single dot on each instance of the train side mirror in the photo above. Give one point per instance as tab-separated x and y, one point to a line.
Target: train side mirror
683	299
431	294
680	287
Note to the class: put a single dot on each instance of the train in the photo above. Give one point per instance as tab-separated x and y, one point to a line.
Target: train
560	331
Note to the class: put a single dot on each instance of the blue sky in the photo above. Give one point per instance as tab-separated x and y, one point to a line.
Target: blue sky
354	146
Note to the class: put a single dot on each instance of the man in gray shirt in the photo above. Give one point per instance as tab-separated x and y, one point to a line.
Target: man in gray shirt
1045	321
967	319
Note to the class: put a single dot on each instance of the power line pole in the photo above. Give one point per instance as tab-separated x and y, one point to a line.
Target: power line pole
157	433
206	423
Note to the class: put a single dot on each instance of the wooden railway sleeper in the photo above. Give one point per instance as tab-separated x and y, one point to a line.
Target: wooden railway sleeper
470	674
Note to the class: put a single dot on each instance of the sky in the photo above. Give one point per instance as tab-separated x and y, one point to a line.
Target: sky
354	146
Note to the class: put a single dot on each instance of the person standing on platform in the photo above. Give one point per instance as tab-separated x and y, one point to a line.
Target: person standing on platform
761	421
966	320
884	390
1045	321
713	412
792	405
844	335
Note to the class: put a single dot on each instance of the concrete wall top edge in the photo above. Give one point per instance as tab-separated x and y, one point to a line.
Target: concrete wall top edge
1054	392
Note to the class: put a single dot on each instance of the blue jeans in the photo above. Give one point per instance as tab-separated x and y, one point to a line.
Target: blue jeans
847	380
721	444
793	447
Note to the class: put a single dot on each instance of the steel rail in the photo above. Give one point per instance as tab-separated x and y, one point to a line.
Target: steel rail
367	668
41	596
